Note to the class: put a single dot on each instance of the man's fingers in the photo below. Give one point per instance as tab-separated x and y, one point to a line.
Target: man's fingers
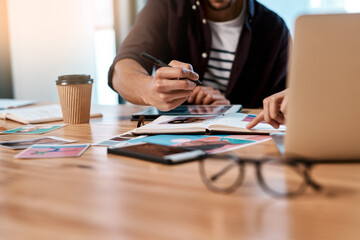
163	86
280	119
207	96
208	99
199	97
256	120
268	118
173	95
284	105
266	109
274	112
175	63
274	123
216	95
175	73
193	94
259	118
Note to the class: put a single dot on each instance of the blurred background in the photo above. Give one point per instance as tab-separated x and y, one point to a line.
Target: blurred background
42	39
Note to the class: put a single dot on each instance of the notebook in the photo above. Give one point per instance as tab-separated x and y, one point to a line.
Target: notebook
324	88
190	124
38	114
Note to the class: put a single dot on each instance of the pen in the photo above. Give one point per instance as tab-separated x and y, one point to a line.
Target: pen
158	62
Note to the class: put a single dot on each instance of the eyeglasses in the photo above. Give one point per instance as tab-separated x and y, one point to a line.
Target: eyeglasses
277	177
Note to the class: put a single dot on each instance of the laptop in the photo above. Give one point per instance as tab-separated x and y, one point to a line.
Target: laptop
323	116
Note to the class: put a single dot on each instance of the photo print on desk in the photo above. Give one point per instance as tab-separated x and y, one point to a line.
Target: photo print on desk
121	138
53	151
34	129
210	144
25	143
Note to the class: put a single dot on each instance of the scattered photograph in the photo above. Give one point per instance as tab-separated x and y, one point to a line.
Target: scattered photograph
53	151
209	144
121	138
34	129
23	144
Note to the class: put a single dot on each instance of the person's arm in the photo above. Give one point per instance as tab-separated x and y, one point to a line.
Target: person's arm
169	87
274	110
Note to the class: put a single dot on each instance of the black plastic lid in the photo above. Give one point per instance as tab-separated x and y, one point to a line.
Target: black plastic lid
74	79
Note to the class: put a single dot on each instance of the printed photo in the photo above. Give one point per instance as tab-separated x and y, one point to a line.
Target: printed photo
23	144
53	151
34	129
153	149
117	139
209	144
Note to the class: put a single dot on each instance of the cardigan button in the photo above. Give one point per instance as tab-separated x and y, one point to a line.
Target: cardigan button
194	7
204	55
198	3
204	21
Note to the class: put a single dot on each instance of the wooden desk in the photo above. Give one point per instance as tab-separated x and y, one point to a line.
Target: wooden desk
100	196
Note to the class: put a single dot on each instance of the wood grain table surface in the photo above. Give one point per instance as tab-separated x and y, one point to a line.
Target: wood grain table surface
101	196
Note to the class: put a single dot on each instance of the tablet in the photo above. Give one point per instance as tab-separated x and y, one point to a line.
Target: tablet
152	112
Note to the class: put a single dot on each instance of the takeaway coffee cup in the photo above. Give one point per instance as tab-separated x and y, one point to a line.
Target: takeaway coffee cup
75	97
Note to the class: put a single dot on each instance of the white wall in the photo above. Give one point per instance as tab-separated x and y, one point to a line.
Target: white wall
49	38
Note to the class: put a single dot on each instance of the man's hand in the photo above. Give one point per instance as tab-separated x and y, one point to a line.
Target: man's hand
171	87
274	110
207	96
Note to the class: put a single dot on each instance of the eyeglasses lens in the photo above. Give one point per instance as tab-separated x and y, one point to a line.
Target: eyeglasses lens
283	178
221	174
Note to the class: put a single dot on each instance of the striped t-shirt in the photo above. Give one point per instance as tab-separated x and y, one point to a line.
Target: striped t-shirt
225	37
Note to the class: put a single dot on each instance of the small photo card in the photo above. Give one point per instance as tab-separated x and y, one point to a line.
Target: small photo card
114	141
34	129
53	151
25	143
